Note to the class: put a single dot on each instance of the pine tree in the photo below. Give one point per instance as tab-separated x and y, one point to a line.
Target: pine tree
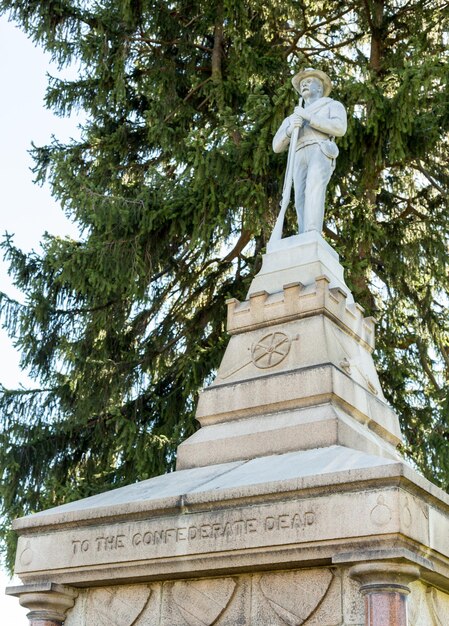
175	191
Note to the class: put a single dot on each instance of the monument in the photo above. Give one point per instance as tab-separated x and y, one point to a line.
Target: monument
291	504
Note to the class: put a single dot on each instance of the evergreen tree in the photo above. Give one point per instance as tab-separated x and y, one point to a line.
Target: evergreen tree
175	191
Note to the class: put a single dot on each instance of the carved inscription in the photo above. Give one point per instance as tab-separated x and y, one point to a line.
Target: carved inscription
100	544
193	534
290	521
110	542
193	531
80	546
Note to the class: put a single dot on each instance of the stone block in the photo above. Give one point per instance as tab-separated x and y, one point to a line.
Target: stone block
298	344
297	389
352	602
119	605
314	504
264	435
294	302
438	528
428	605
195	602
311	597
299	258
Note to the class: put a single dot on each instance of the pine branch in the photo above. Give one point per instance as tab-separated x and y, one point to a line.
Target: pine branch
243	240
425	363
431	179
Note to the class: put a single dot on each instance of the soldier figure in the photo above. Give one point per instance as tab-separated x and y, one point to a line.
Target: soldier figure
319	122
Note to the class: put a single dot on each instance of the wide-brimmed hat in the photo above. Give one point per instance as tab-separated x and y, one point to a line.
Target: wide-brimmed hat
309	71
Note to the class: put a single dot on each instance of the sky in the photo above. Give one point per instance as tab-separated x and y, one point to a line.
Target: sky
26	210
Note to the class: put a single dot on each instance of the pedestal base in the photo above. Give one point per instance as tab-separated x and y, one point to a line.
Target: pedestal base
273	540
299	258
290	505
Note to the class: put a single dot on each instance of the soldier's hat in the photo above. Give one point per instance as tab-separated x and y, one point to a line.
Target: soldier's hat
306	73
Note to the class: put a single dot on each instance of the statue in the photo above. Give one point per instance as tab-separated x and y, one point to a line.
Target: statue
309	133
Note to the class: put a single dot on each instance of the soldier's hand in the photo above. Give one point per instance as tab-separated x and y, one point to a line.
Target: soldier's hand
302	113
296	121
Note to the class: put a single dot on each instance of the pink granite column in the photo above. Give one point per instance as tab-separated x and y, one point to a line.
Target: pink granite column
47	601
385	587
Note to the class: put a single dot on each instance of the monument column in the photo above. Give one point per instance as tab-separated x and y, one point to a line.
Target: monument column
48	602
385	587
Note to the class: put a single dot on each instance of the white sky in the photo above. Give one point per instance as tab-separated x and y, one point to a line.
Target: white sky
26	210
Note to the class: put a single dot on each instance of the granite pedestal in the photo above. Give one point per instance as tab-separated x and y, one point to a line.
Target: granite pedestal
291	504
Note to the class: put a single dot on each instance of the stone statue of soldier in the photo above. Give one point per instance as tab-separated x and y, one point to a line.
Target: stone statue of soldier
319	121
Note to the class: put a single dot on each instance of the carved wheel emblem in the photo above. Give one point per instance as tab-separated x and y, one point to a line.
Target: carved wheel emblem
270	350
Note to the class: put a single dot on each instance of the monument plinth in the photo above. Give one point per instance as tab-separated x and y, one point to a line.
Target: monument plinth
289	506
298	372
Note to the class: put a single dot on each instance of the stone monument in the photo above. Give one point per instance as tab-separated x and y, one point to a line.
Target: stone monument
290	505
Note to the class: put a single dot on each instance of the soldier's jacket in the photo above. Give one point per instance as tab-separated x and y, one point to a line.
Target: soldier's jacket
328	120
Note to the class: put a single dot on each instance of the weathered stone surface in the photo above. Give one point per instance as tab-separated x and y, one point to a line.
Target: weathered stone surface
294	346
293	598
83	552
312	596
113	608
308	596
300	347
300	258
352	601
120	605
438	530
276	433
296	302
195	602
297	389
307	506
132	498
259	476
281	524
46	601
298	343
428	606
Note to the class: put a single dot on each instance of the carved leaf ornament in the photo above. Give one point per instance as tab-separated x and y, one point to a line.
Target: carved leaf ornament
295	597
439	603
201	602
113	608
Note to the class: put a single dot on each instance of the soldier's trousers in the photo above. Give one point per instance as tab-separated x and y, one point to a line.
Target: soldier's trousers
312	172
